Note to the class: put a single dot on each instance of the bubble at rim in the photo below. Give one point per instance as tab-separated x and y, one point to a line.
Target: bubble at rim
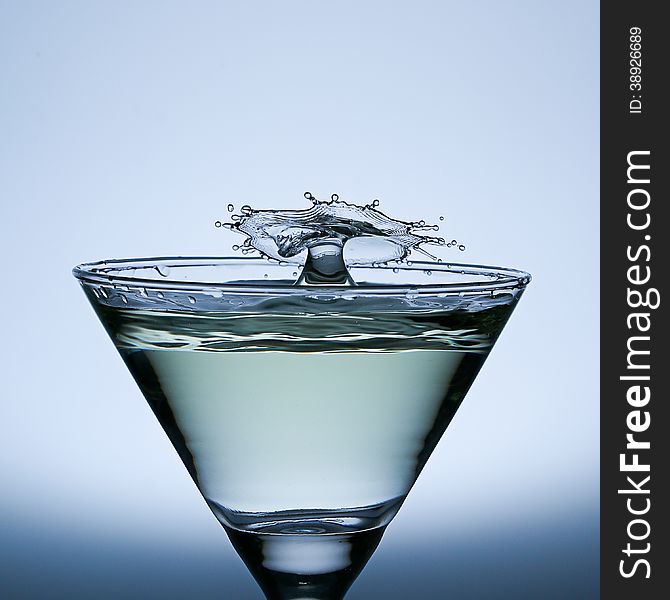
110	273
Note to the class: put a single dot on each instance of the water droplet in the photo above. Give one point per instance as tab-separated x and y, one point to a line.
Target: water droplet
375	203
231	208
409	263
218	224
396	270
461	247
454	242
295	273
422	223
265	275
246	210
163	270
335	197
191	299
441	218
161	295
236	217
428	272
236	247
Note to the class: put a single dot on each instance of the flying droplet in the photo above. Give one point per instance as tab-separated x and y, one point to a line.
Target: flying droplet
218	224
236	247
375	203
454	242
441	218
231	208
335	197
461	247
396	270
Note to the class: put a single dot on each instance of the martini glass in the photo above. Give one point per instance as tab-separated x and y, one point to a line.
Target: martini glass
304	413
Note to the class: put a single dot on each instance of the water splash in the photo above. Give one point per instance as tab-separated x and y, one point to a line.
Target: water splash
329	236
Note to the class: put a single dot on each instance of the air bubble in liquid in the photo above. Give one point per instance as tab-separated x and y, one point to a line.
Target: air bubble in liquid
191	299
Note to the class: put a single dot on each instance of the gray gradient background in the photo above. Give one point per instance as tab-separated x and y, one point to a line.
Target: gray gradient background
125	129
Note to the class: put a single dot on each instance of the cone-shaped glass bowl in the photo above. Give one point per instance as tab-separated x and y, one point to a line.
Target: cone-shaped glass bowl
303	413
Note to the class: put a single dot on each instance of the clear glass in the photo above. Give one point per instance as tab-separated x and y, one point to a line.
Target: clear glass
303	413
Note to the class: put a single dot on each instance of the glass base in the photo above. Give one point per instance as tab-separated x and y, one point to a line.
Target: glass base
312	563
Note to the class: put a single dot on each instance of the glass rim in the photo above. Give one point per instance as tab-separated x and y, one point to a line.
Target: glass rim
111	272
